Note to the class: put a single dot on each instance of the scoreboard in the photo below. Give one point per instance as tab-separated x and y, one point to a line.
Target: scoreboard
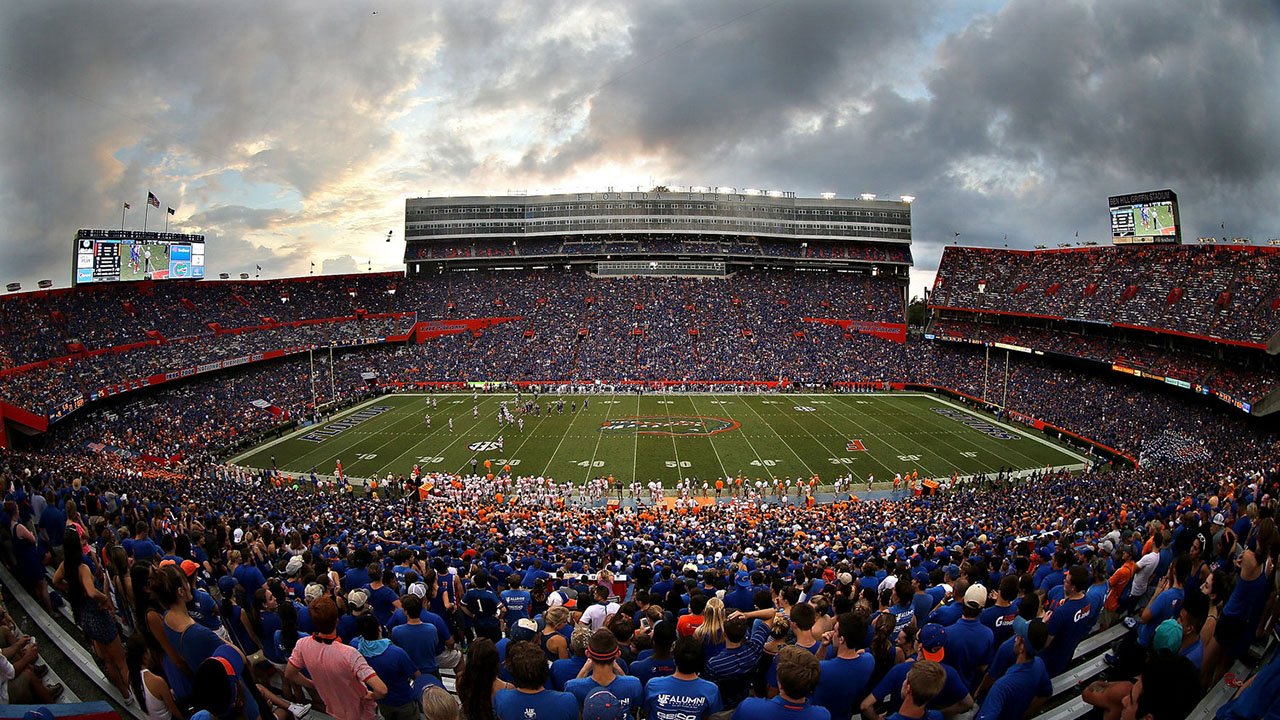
1149	217
129	255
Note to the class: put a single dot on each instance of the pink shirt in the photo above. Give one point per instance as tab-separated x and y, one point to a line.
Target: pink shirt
339	672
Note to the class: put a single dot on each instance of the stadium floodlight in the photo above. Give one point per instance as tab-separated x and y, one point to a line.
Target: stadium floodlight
751	191
726	190
775	193
908	199
868	196
827	195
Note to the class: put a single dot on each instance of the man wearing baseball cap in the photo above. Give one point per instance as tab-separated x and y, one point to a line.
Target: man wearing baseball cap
1024	686
954	697
970	644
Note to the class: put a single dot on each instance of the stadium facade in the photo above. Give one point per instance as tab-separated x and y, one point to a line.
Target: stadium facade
746	227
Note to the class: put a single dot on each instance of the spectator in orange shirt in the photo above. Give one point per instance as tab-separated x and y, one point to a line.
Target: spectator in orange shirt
1120	580
688	623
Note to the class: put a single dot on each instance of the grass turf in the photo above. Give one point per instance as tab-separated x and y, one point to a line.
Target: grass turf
663	437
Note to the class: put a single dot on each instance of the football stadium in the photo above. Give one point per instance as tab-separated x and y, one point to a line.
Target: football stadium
677	452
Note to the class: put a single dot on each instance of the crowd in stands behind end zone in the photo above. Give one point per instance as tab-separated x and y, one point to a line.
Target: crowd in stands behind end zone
974	598
1216	291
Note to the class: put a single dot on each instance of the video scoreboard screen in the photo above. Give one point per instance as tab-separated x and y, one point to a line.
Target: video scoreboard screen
130	255
1150	217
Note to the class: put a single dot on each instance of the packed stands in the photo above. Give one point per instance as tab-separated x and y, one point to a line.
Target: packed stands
1227	293
974	576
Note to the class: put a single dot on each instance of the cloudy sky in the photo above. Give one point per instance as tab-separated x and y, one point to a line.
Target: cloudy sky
291	132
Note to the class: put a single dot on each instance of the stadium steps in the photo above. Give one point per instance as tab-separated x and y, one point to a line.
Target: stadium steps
1074	708
62	640
1217	695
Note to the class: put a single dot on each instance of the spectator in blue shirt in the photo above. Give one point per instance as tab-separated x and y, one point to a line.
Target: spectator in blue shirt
731	669
602	654
970	644
683	695
515	601
952	607
1068	623
1166	603
742	597
660	662
1024	686
923	683
1097	592
952	699
528	667
798	676
481	606
393	667
999	617
419	639
846	676
564	670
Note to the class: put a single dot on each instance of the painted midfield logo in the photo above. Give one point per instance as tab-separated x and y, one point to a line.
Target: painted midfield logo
667	425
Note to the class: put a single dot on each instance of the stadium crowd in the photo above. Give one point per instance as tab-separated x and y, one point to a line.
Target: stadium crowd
974	598
1250	384
1217	291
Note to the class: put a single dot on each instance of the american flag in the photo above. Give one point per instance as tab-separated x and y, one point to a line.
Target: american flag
152	200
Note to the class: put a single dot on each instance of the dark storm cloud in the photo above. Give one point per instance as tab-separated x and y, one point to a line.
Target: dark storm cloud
1029	118
1017	122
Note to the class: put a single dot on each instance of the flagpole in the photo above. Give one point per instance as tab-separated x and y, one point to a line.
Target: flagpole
122	209
145	211
166	222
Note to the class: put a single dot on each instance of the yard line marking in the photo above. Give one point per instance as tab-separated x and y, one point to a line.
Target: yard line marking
711	440
599	437
559	444
784	442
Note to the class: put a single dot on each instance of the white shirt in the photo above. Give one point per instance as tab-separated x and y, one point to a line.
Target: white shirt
1142	578
594	616
6	674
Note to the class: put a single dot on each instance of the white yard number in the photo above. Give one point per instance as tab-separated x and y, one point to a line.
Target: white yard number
721	402
429	459
819	402
512	462
591	463
665	402
765	463
804	408
769	402
610	402
682	463
909	458
862	402
366	456
970	454
841	461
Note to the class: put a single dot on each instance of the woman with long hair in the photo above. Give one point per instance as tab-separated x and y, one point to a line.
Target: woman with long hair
883	648
283	643
147	681
1217	587
91	608
711	632
26	554
552	641
539	593
479	681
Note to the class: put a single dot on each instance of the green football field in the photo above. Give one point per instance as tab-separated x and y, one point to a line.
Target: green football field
1159	222
664	437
